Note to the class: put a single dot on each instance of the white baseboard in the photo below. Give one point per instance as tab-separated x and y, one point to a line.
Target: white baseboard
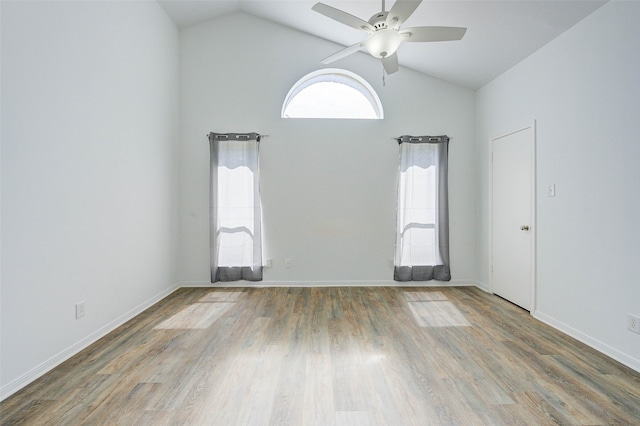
621	357
482	286
348	283
48	365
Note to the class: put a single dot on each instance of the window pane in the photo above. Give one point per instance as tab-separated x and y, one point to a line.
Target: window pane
332	93
235	204
330	100
417	212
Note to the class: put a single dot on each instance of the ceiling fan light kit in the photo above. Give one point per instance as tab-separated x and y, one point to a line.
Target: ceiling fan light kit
383	43
385	35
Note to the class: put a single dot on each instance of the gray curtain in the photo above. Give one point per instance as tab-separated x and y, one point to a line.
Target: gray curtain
422	235
235	211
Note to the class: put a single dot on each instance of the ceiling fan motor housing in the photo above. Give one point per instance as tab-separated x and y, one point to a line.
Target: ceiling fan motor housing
379	20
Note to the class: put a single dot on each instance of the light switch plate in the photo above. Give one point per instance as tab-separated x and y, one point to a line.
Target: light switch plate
80	310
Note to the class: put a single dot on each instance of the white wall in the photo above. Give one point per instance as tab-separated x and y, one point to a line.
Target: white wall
89	174
328	186
583	90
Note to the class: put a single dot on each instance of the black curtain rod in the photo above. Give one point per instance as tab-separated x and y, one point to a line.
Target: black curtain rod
237	136
421	139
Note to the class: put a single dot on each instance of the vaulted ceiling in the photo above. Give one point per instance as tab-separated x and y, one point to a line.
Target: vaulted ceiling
500	33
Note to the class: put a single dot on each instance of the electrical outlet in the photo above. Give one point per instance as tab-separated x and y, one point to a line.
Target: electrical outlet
390	263
288	263
80	310
634	324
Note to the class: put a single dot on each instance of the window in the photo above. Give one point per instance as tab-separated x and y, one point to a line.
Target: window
235	211
422	242
332	93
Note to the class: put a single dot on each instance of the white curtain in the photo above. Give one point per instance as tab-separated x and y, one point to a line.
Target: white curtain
422	235
235	211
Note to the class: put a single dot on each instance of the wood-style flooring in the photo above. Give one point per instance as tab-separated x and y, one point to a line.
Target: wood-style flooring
332	356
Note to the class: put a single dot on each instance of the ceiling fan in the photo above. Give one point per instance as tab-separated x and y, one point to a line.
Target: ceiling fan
384	31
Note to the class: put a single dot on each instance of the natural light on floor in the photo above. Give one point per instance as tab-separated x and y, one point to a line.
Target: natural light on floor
433	309
202	314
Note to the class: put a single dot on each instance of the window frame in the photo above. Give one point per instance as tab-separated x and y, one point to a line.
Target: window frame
336	75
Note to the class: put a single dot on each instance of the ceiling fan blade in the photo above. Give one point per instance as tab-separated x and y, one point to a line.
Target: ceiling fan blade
401	11
432	33
390	63
343	53
343	17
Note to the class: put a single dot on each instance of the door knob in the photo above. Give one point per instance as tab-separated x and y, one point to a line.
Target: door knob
524	227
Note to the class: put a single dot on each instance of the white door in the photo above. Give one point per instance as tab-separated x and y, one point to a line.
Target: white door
512	221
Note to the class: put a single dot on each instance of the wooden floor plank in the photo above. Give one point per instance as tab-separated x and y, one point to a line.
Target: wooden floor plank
332	356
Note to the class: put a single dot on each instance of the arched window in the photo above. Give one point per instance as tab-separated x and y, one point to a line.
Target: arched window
332	93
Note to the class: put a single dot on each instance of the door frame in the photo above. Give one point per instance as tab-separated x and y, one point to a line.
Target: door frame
533	224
